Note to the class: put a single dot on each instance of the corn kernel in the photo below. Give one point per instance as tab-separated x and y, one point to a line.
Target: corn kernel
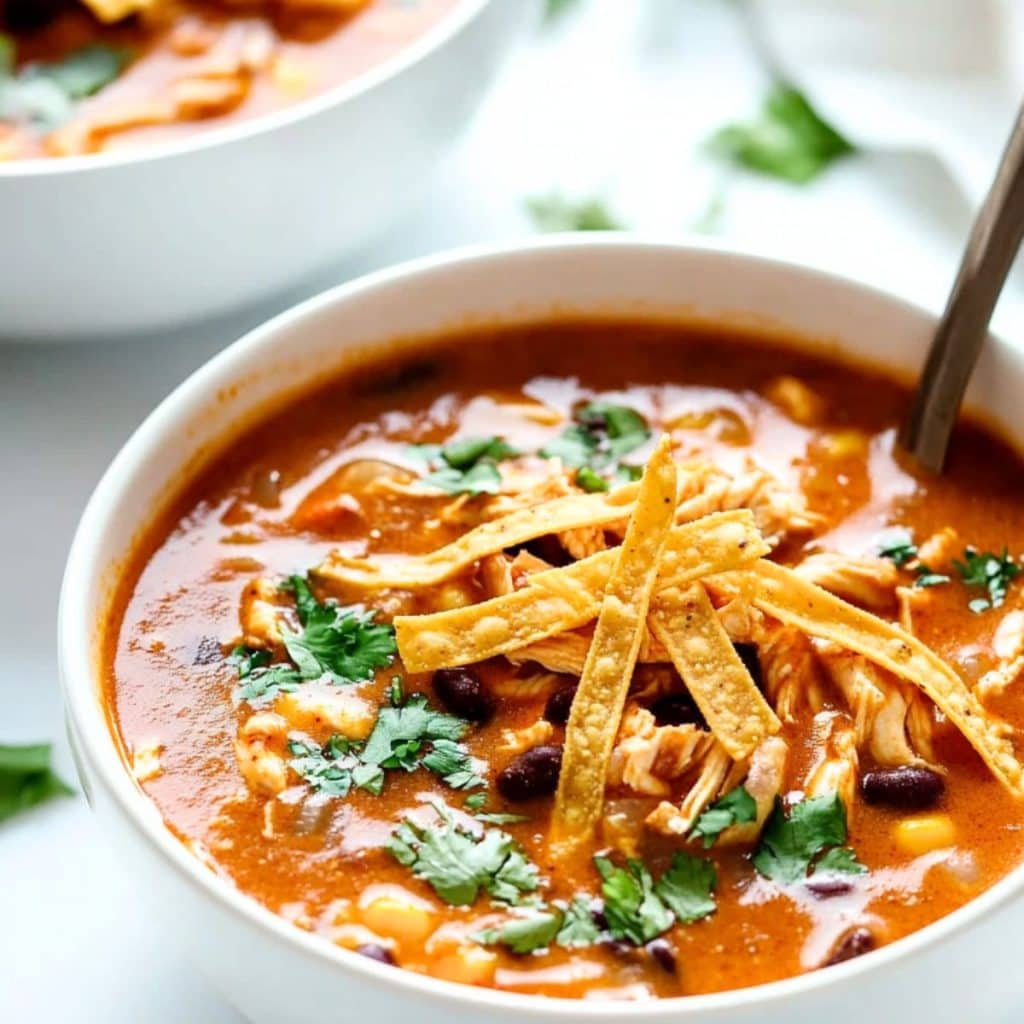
469	964
845	444
392	911
925	833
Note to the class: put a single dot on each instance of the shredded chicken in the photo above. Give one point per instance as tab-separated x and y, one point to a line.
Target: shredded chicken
564	653
741	620
260	749
764	782
939	550
868	582
792	675
536	686
496	575
835	770
515	741
671	820
647	756
584	541
878	704
796	399
1008	645
261	605
323	710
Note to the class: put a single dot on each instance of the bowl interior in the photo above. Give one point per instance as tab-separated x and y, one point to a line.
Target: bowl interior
553	277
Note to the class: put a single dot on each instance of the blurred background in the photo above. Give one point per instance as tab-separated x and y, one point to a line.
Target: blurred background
853	135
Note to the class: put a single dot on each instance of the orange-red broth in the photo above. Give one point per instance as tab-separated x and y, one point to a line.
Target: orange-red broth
185	581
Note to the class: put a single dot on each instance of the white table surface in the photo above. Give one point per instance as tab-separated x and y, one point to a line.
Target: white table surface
615	99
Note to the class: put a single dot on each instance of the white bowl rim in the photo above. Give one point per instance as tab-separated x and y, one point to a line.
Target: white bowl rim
96	744
402	60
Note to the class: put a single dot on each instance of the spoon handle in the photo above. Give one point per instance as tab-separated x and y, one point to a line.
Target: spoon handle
960	335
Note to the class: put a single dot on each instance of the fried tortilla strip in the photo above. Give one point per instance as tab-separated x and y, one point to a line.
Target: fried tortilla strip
597	708
736	712
417	572
784	595
558	600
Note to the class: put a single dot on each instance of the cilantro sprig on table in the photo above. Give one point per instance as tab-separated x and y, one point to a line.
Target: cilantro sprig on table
43	94
459	863
466	466
791	843
601	434
788	139
405	737
555	212
26	778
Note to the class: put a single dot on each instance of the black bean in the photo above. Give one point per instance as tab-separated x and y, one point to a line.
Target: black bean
208	651
620	947
28	15
677	709
909	788
663	954
373	951
852	944
533	773
751	661
463	693
826	887
559	705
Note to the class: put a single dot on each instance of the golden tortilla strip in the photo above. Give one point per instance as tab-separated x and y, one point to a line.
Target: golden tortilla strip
419	571
787	597
558	600
597	707
736	712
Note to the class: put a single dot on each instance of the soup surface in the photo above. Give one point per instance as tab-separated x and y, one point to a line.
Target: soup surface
85	76
421	665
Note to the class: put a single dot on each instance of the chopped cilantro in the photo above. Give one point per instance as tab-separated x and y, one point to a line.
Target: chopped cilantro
633	909
43	93
554	212
458	864
737	807
901	549
790	843
453	763
589	480
927	578
259	680
789	140
475	801
686	887
526	933
327	769
501	817
396	693
343	645
994	573
464	466
840	860
570	926
601	434
26	778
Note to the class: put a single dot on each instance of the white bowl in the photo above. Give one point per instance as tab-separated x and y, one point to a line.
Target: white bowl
104	245
965	964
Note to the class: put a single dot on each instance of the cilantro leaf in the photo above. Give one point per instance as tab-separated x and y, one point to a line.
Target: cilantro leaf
686	887
535	929
555	212
500	817
26	778
453	763
927	578
459	864
788	140
578	925
901	549
328	769
601	434
633	909
789	843
344	645
840	860
737	807
259	680
465	466
43	93
992	572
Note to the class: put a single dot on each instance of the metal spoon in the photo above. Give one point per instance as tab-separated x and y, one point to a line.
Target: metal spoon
960	335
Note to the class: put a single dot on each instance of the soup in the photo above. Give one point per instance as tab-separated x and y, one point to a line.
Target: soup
593	660
88	76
